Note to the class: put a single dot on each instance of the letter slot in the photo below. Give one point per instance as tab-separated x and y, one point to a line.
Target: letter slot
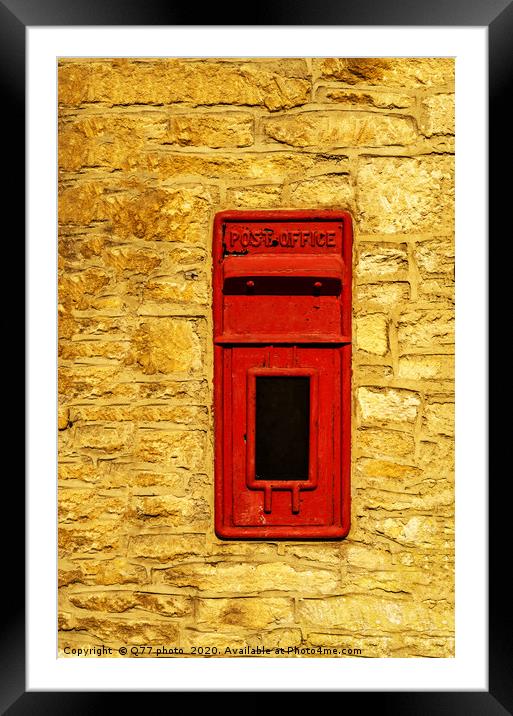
282	374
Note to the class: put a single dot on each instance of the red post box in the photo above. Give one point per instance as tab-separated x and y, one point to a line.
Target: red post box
282	374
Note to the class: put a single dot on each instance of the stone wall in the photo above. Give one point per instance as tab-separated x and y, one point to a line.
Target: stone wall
149	151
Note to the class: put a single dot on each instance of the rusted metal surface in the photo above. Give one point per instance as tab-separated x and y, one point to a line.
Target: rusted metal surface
282	308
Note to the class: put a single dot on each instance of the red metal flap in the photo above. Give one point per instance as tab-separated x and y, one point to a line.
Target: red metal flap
310	266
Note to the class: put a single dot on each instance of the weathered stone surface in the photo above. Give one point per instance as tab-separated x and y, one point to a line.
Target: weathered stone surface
62	417
182	391
436	562
96	326
282	639
66	446
438	501
341	129
435	256
167	345
65	322
264	196
436	457
372	333
426	367
372	373
438	290
267	167
178	414
105	140
367	558
86	469
175	448
81	203
388	405
136	212
439	418
225	577
395	645
436	647
362	614
330	191
384	469
381	261
328	554
187	289
165	547
94	352
356	99
76	245
86	504
133	259
171	511
348	646
403	194
75	287
392	581
183	257
90	382
105	438
414	72
382	294
253	613
113	305
111	630
375	442
420	531
231	129
426	329
175	482
125	601
438	114
91	537
125	82
104	572
178	214
244	551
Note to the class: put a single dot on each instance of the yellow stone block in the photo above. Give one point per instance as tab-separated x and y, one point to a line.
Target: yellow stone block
372	333
223	577
167	345
253	613
438	114
341	129
405	194
414	72
231	129
388	405
356	99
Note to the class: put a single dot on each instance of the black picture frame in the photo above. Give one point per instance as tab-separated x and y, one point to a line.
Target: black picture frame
497	16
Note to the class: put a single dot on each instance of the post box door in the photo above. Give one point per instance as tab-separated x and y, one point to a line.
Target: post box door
282	379
284	468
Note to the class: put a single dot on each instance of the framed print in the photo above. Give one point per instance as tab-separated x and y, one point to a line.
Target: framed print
144	146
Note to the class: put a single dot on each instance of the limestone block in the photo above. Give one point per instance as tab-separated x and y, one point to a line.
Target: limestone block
410	72
231	129
388	404
252	613
404	195
341	129
438	114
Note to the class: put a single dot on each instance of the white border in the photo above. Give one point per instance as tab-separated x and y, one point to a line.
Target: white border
468	670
